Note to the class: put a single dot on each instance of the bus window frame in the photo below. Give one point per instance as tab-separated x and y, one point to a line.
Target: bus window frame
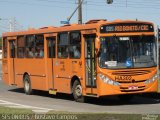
35	46
53	55
26	46
79	45
24	39
58	40
12	49
5	50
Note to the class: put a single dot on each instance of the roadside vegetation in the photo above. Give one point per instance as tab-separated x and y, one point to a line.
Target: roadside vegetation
97	116
17	113
6	110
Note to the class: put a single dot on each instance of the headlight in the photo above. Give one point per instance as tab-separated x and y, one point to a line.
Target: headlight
108	81
152	79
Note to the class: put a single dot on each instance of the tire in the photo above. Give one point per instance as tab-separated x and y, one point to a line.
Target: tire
77	92
27	85
126	98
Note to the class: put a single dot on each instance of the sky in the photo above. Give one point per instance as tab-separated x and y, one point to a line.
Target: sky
42	13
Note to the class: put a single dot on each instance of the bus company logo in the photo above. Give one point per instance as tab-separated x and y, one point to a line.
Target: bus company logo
123	78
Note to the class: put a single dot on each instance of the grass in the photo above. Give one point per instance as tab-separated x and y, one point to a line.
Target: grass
103	116
6	110
14	114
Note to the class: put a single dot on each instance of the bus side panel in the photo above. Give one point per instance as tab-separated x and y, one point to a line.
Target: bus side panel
62	76
5	71
38	83
19	80
35	68
63	85
49	73
20	69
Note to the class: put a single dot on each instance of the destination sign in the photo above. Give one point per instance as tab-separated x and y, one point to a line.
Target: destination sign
126	27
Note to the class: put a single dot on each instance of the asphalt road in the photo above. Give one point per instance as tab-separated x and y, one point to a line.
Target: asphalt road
63	102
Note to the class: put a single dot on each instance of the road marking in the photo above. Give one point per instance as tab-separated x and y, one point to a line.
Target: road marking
5	103
15	105
40	111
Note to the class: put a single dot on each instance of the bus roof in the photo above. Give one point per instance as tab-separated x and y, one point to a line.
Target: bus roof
91	24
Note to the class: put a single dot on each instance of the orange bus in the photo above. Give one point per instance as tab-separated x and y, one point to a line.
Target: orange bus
98	58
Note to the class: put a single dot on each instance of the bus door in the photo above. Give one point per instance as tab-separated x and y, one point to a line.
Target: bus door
51	56
11	62
5	61
90	63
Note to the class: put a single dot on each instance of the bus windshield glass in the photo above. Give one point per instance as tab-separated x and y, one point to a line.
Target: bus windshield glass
127	52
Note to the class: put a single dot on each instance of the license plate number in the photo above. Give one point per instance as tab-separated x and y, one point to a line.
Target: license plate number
132	87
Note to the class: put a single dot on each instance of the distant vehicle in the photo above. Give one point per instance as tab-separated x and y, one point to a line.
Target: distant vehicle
98	58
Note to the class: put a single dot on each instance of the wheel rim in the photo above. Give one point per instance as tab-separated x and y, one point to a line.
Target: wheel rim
78	90
27	85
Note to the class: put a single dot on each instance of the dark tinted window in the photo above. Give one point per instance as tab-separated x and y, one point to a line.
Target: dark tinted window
75	45
51	45
63	42
30	46
20	47
4	47
12	49
39	46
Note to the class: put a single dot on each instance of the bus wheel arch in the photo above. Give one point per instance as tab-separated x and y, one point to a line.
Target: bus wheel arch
27	84
74	78
77	89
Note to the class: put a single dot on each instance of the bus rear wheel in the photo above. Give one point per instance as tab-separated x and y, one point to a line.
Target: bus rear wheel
77	92
27	85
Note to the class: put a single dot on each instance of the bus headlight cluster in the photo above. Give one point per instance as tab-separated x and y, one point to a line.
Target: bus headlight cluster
108	81
152	79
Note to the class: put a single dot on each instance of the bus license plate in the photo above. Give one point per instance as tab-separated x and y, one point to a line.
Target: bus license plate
133	87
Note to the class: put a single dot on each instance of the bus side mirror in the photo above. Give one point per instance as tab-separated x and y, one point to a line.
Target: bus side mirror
97	45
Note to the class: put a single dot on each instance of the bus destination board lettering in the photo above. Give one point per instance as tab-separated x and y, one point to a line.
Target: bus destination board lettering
125	27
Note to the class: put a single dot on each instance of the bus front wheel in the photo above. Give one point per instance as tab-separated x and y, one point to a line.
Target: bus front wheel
27	85
77	92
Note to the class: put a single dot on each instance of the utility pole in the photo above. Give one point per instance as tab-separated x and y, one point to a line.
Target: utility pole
79	8
80	12
80	2
12	24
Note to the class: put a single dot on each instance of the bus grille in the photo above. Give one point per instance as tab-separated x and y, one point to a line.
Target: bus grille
131	73
131	81
125	89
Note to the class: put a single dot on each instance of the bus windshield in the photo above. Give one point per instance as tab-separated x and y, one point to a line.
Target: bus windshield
127	52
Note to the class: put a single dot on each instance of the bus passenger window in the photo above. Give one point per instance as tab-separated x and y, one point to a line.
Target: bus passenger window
20	46
75	45
39	46
63	45
4	47
30	46
51	45
12	49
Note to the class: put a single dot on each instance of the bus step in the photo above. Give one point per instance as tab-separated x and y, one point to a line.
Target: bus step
13	84
53	92
92	95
